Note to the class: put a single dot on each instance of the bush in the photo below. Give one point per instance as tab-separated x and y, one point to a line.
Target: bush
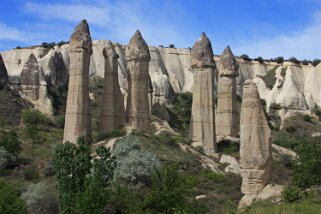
110	134
30	173
305	62
41	198
61	121
279	59
10	203
294	60
291	193
49	170
134	163
34	117
259	59
4	159
307	118
10	142
315	62
307	169
270	78
168	191
245	57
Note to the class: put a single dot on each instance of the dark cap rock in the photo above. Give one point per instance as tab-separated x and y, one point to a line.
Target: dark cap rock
137	49
228	65
202	53
81	36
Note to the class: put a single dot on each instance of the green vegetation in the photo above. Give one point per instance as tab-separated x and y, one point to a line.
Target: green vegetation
10	202
279	59
110	134
287	208
259	59
245	57
294	60
270	78
180	112
34	117
316	62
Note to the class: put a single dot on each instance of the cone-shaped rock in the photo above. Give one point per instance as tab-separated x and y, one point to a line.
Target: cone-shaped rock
202	53
31	76
112	113
77	119
3	73
138	57
255	148
202	125
226	112
58	74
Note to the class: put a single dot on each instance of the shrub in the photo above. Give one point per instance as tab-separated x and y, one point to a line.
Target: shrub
110	134
10	203
270	78
291	193
259	59
245	57
168	191
290	129
294	60
307	118
307	169
305	62
61	121
10	142
34	117
4	158
279	59
315	62
134	163
41	198
49	170
30	173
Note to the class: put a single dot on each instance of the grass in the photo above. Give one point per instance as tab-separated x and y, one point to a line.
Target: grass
286	208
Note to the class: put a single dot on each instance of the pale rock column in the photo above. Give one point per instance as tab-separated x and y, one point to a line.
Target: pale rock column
255	148
226	112
138	57
202	125
112	113
78	119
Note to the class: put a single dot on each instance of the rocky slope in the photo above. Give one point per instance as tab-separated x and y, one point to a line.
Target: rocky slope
286	87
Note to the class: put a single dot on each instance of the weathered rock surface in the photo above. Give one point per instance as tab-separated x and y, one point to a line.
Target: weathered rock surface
57	73
112	112
3	73
170	71
233	165
226	113
138	57
255	148
78	119
202	125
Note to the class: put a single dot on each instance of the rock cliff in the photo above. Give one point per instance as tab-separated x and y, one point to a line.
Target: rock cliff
286	87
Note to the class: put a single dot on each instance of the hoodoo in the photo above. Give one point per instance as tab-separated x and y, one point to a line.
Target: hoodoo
112	113
138	57
77	119
226	113
255	148
202	125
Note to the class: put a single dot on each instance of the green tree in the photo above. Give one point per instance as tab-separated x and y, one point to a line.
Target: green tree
10	203
168	191
83	182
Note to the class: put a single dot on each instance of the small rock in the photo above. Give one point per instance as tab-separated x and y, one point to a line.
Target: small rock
200	197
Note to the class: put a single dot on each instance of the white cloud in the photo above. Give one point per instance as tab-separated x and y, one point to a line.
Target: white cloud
10	33
303	43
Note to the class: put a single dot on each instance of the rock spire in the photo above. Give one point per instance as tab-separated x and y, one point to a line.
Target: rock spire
138	57
112	114
255	148
78	119
202	125
226	114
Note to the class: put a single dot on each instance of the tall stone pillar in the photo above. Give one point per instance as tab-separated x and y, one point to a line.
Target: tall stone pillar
256	149
78	119
202	125
226	113
112	113
138	57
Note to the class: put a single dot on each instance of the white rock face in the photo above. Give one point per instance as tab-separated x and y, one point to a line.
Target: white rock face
297	88
233	166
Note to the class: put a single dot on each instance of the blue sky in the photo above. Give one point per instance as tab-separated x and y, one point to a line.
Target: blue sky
267	28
